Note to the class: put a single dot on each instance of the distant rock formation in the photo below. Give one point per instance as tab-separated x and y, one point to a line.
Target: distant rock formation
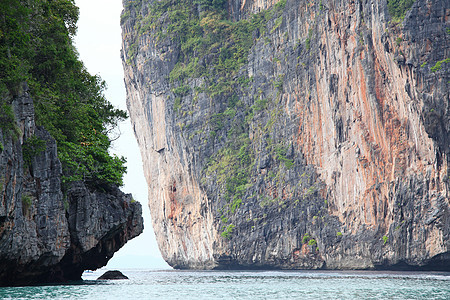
315	134
45	235
112	275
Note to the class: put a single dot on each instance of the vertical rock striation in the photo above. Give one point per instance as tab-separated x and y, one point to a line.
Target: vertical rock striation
45	235
331	149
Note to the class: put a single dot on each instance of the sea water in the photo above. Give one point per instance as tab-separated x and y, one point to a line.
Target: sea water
171	284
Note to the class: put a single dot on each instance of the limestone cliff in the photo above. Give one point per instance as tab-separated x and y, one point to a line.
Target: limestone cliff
293	134
45	235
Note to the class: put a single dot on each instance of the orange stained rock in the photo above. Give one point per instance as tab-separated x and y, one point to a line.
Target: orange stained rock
175	208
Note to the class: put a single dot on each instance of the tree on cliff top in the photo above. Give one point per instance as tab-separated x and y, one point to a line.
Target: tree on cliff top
36	46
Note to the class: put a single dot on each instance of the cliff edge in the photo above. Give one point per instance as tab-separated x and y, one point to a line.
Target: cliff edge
47	235
293	134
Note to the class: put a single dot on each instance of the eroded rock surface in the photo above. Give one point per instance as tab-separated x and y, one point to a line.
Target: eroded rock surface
45	235
345	120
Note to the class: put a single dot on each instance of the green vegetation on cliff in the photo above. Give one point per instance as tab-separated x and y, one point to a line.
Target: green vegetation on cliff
398	8
211	46
211	52
36	47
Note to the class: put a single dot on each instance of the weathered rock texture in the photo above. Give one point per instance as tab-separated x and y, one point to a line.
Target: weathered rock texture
362	120
46	236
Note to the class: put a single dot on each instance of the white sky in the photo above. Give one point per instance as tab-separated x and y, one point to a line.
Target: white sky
99	42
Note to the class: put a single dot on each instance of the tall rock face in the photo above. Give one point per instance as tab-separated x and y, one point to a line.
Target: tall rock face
45	235
326	147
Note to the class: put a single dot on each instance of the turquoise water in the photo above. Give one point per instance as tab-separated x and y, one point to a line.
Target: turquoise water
168	284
